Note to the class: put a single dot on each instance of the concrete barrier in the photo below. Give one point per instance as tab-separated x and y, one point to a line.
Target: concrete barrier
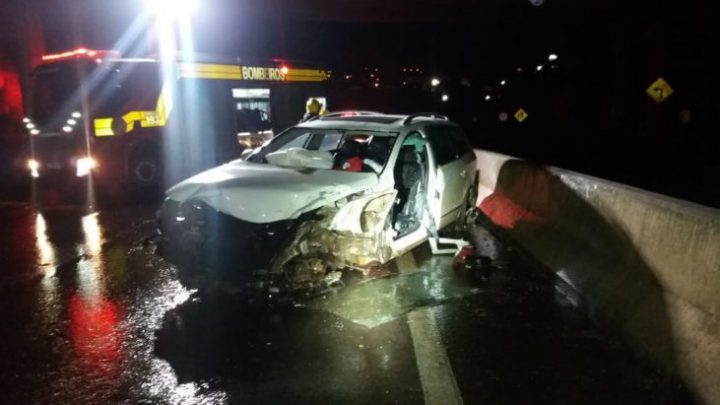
644	264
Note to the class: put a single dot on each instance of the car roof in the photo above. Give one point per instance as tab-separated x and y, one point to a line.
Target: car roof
373	122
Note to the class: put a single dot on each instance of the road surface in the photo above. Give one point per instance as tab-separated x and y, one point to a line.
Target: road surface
92	316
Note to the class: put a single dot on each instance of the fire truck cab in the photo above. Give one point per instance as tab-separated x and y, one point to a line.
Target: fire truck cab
143	123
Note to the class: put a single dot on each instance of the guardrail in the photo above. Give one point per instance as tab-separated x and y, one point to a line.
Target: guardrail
644	264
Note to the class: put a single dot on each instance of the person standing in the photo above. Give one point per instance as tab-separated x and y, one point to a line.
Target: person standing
312	109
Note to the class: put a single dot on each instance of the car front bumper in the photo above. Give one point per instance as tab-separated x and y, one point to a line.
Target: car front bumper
201	239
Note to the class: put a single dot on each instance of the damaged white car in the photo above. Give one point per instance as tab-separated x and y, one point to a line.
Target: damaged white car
346	192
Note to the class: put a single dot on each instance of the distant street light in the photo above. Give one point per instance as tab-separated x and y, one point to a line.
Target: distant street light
503	82
488	97
539	68
445	98
552	57
434	82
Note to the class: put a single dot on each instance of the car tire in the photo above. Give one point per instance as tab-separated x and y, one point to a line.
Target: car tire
462	227
470	214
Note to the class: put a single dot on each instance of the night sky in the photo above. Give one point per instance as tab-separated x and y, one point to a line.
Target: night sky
591	113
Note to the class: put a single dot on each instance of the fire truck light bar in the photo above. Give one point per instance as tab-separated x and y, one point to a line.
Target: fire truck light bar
79	52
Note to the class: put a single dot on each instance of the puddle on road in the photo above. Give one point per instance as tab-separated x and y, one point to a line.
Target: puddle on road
376	302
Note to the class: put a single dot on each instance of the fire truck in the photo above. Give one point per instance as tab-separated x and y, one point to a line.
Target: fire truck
143	123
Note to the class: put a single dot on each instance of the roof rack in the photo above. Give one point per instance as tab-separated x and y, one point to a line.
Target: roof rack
348	113
410	118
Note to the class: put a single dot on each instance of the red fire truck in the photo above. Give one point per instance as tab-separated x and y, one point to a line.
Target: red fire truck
142	123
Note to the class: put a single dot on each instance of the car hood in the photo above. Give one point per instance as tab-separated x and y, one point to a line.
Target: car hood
263	193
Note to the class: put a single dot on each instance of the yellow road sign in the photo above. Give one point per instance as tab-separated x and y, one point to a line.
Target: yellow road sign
660	90
521	115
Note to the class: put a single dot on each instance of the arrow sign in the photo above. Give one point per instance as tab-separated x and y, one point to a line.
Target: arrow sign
660	90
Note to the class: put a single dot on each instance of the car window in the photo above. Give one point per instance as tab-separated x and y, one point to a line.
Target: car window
330	142
297	142
365	150
448	143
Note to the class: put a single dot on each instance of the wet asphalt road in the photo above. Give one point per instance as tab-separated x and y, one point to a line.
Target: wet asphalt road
90	316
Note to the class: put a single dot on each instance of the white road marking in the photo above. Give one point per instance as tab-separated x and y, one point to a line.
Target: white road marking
436	374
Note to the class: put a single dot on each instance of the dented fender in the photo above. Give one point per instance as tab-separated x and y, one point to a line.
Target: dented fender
350	233
365	215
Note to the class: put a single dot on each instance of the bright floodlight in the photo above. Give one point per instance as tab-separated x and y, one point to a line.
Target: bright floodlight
171	8
539	68
26	120
434	82
552	57
76	114
488	97
445	97
71	121
34	132
30	125
67	129
503	82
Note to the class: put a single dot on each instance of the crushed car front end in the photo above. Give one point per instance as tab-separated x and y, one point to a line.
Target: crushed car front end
258	223
312	251
201	239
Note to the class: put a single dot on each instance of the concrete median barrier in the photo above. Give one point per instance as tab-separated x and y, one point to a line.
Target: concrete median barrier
646	265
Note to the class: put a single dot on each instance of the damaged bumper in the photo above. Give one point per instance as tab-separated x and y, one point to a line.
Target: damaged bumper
304	253
201	239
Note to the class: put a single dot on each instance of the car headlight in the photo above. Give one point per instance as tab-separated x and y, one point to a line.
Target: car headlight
85	165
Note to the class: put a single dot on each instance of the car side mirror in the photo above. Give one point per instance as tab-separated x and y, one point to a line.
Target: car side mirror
246	153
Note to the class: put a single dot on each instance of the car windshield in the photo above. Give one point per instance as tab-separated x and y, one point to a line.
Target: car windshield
337	149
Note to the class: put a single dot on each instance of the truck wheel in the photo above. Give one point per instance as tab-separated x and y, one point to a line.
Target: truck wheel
145	174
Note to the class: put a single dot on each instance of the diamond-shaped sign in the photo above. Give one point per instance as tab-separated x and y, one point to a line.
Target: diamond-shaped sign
521	115
660	90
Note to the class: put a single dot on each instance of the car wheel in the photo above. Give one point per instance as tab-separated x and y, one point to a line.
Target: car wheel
470	214
462	227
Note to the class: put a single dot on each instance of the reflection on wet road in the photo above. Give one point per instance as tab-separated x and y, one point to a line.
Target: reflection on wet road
379	301
82	299
91	315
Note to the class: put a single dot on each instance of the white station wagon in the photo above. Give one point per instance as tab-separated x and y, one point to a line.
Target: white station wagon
344	192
